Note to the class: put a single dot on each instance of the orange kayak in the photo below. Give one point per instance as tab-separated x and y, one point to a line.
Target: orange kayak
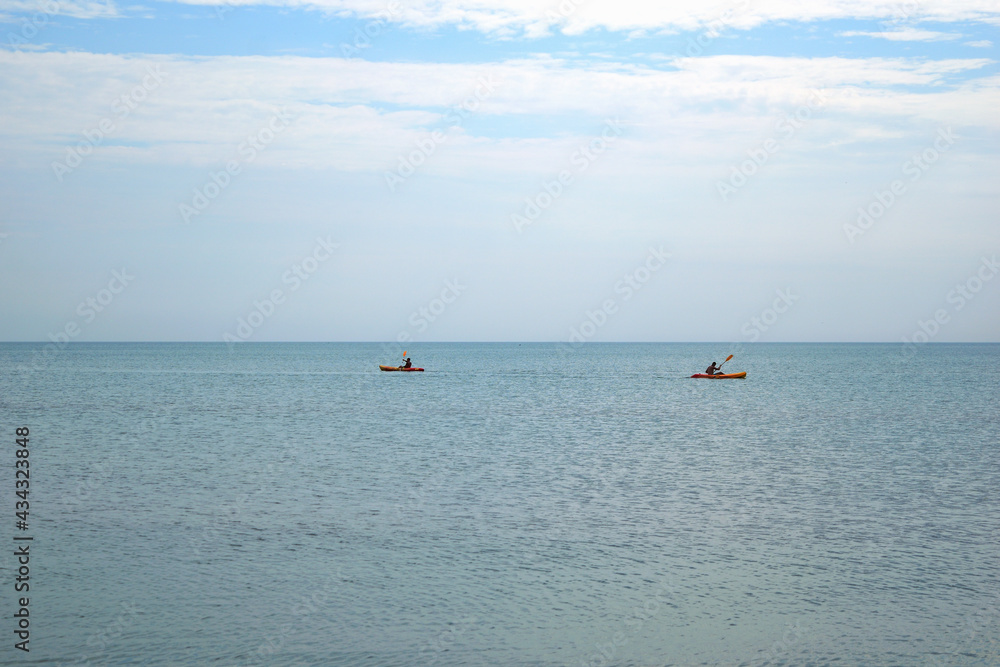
397	368
725	376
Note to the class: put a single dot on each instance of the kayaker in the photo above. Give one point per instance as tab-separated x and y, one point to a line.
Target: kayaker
713	370
408	364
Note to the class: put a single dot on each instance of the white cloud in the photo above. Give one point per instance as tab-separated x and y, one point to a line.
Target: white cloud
81	9
905	35
686	124
980	44
353	114
532	18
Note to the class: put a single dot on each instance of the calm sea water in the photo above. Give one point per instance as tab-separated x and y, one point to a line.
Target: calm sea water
513	505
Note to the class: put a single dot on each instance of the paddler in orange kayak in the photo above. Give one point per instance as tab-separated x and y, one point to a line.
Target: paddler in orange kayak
408	364
713	369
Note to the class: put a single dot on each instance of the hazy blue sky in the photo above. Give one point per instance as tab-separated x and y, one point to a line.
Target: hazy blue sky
499	170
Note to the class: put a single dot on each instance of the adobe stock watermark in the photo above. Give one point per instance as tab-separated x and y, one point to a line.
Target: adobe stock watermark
297	614
915	168
581	160
31	28
112	631
902	12
224	8
294	277
97	478
422	317
100	641
778	648
88	311
226	514
607	653
248	151
121	108
627	287
758	156
363	36
565	9
958	297
94	484
973	625
753	328
444	641
697	45
426	146
416	499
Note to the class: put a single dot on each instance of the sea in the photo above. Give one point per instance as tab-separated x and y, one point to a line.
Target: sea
532	504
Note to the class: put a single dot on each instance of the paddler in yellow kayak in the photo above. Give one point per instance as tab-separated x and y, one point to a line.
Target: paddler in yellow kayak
408	364
713	369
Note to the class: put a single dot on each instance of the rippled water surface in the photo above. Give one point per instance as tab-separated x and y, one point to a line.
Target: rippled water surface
512	505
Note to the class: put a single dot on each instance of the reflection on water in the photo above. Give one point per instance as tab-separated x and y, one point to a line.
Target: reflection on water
283	504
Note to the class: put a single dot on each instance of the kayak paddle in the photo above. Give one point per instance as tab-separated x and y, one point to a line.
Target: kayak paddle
724	362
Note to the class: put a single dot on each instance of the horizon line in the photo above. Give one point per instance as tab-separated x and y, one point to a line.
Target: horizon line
487	342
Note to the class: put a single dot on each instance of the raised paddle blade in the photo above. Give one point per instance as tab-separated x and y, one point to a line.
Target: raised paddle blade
404	353
728	358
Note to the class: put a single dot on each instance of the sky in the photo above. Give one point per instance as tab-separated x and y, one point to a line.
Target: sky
499	170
